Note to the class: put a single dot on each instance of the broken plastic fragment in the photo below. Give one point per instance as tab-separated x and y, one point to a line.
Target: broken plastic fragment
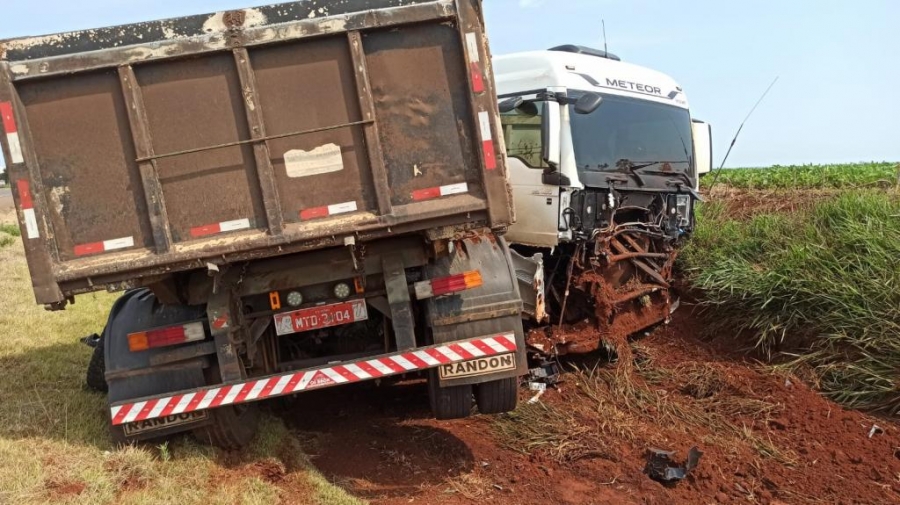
660	465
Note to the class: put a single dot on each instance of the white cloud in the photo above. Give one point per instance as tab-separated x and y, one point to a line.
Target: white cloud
527	4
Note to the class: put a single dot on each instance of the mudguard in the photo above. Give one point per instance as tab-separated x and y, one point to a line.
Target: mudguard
493	308
130	374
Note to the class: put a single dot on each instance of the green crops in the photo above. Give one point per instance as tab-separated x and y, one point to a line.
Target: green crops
822	285
856	175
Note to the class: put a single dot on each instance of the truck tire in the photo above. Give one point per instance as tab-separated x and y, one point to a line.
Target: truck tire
96	372
454	402
497	397
231	428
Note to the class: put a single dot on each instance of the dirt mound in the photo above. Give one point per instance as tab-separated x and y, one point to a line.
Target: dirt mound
766	438
744	204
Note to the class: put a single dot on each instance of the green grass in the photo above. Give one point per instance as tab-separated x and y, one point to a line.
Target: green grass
10	229
847	176
822	283
54	443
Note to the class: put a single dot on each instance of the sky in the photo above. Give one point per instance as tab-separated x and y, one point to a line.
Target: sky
838	66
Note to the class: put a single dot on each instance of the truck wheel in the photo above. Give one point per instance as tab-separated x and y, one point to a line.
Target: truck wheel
497	397
231	428
96	372
454	402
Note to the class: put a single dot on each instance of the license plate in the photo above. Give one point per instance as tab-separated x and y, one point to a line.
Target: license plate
162	423
481	366
317	318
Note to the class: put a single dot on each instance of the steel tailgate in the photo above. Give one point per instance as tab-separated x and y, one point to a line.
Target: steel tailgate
146	149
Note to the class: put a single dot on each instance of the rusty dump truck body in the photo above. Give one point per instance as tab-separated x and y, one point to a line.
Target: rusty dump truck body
302	196
135	152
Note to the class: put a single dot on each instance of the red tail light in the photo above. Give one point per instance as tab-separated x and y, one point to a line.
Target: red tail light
447	285
163	337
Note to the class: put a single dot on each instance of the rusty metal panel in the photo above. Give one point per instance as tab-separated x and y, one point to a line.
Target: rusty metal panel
201	116
80	132
195	104
418	79
304	86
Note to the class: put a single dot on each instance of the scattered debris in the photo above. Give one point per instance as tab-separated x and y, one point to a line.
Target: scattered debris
546	373
875	430
659	465
534	399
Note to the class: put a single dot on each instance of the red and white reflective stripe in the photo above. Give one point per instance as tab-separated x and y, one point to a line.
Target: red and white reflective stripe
432	193
26	199
487	140
328	210
475	62
307	380
12	132
105	246
223	227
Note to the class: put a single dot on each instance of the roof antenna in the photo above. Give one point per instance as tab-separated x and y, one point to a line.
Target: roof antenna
605	50
738	134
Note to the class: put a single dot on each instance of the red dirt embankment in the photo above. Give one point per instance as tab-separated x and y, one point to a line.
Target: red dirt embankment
766	438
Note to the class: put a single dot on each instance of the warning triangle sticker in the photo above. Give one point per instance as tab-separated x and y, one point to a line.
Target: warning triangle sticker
321	380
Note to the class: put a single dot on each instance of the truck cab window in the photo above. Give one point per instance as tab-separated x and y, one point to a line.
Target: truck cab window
522	133
632	129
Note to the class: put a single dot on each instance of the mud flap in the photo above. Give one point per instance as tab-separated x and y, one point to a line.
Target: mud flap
131	375
493	308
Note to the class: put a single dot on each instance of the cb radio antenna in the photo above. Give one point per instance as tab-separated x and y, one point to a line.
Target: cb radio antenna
738	134
605	50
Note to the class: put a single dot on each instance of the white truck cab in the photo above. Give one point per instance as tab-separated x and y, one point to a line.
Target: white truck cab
604	162
575	117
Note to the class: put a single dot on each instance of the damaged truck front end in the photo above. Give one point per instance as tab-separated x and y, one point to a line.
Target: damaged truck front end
615	278
604	161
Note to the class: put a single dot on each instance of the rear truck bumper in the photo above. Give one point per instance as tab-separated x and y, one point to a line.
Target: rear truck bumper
497	351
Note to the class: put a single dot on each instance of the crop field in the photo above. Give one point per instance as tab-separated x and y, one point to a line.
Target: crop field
847	176
817	286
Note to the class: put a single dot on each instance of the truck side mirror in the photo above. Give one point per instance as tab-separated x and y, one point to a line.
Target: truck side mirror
588	103
703	155
550	134
555	179
511	104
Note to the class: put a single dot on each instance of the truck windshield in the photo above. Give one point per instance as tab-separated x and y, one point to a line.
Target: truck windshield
638	131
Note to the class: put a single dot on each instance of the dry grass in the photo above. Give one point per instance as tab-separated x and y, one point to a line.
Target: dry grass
54	446
639	401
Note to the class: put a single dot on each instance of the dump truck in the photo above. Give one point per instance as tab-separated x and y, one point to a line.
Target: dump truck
605	160
292	197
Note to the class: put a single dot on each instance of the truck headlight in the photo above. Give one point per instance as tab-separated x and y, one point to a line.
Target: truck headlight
683	209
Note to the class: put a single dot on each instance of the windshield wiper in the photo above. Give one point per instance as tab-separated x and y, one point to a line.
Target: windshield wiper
683	175
640	165
629	166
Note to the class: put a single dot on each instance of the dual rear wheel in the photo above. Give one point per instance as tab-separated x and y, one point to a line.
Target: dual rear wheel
455	402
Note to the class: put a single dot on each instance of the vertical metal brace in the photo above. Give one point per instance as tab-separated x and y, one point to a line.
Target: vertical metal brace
367	108
222	323
143	144
255	121
399	300
40	254
495	181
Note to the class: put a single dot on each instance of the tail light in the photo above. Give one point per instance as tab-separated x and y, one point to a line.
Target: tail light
447	285
163	337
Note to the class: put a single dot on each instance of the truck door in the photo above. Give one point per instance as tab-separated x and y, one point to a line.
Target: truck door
537	204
